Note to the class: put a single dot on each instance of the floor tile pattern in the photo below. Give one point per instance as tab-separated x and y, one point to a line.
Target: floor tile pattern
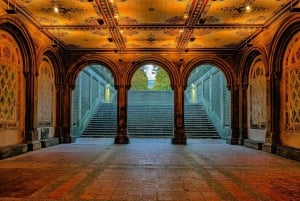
149	170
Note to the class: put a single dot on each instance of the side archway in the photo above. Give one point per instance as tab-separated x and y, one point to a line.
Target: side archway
284	70
25	58
231	131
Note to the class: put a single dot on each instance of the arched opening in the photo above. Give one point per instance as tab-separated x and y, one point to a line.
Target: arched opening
150	103
207	104
257	100
12	93
290	95
46	100
94	103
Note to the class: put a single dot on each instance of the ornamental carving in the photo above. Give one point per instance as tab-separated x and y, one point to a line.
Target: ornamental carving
257	95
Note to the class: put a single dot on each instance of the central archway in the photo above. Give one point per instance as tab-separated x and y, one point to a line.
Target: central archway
150	103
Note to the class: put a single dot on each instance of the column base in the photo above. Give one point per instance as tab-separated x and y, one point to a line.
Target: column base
121	139
233	141
269	148
34	145
178	140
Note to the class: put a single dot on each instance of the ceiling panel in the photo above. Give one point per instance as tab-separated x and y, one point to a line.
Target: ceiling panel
150	24
84	38
129	12
70	12
219	38
152	38
235	12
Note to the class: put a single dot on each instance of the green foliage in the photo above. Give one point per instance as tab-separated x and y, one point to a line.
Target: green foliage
139	80
162	81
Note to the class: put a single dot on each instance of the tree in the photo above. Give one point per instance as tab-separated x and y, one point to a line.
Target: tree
139	80
162	81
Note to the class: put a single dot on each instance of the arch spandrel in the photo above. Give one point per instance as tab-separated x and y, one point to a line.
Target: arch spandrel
83	62
246	63
230	74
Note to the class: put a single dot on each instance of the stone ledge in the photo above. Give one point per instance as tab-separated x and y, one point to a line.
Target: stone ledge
289	152
13	150
49	142
253	144
34	145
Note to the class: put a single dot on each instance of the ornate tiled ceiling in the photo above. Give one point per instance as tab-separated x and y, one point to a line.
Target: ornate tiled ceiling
157	25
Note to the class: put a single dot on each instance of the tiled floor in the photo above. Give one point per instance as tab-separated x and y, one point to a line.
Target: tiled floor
149	169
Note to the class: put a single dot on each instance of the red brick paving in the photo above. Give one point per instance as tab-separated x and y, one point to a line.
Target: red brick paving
149	169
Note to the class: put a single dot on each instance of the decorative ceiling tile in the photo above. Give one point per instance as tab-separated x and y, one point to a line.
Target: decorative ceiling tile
219	38
69	12
88	38
129	12
151	38
235	12
150	24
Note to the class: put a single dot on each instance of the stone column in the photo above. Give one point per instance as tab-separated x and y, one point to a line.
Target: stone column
235	134
243	114
31	137
58	128
66	114
179	136
122	132
273	113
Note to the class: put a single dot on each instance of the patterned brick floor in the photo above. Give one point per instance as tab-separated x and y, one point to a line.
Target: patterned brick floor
149	169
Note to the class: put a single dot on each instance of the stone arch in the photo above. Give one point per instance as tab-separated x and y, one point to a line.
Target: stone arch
23	39
74	70
279	49
55	59
257	99
46	97
290	94
160	61
247	61
228	71
27	51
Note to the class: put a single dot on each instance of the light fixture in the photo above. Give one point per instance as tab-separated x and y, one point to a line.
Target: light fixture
248	8
10	10
56	9
185	16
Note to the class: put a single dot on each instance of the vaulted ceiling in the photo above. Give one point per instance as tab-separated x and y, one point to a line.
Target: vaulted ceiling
151	25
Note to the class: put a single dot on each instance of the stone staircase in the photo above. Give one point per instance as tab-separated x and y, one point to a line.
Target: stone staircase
150	120
197	123
150	115
103	123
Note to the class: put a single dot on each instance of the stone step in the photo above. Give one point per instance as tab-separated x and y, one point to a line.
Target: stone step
147	118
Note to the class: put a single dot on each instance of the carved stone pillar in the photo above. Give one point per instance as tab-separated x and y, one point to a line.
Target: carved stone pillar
59	123
122	132
31	137
66	114
235	131
243	114
273	113
179	136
